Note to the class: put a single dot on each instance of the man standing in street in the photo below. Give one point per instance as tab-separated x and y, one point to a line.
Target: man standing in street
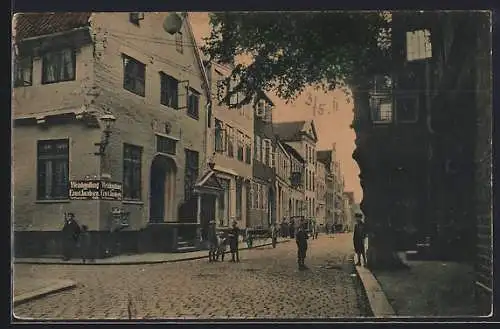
212	241
359	239
70	235
301	240
233	242
274	235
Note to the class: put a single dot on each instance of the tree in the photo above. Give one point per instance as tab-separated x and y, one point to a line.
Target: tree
290	51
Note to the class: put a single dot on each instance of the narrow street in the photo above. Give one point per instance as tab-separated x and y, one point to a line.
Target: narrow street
265	284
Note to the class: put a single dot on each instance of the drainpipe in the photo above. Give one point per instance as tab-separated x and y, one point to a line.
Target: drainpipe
431	132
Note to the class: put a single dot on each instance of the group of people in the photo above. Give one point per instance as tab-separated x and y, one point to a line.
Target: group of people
218	243
75	238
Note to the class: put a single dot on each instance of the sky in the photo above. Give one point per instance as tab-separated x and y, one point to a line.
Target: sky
332	116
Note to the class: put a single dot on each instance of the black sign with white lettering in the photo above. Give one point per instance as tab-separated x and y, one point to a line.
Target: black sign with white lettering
95	190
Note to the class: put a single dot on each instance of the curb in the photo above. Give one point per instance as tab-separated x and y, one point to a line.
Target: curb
20	261
31	295
380	306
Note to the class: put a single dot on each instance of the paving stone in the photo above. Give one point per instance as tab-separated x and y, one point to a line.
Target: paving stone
265	284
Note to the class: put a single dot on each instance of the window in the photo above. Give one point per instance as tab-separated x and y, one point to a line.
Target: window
134	76
219	136
248	155
239	197
381	109
191	173
23	69
58	66
179	42
273	157
257	150
418	45
233	100
230	141
169	91
260	204
264	198
166	145
193	104
132	157
135	18
53	167
241	140
266	151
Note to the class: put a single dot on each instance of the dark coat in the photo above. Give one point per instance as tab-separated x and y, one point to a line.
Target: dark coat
359	238
71	230
234	233
211	234
301	239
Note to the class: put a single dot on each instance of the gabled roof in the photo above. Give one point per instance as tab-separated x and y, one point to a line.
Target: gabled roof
30	25
290	150
199	59
288	131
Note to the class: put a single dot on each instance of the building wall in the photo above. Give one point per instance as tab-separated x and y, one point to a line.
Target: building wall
240	120
320	193
139	118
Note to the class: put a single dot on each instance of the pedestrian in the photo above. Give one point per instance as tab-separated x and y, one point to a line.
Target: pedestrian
212	241
70	235
313	230
359	239
316	231
85	244
301	240
291	228
274	235
249	237
222	246
233	242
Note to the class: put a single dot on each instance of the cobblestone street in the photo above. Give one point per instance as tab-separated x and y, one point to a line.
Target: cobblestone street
265	284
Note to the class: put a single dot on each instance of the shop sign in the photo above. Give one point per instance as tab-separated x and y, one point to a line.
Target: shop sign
95	190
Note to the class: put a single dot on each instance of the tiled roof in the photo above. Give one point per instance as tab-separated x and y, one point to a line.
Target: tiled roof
36	24
288	130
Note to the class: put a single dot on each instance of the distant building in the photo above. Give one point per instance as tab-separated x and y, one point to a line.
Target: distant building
321	195
302	136
233	144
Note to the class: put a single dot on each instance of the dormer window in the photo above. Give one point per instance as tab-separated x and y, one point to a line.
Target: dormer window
136	17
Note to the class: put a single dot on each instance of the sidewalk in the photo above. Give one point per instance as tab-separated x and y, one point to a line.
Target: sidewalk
27	288
147	258
426	289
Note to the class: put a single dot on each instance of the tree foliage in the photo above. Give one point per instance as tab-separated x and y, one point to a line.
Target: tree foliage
293	50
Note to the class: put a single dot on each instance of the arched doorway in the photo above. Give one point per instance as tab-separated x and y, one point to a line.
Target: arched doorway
161	188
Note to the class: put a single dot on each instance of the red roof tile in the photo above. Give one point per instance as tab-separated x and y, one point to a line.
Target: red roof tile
36	24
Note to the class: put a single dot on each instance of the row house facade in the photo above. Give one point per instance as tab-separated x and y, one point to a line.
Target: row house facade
263	190
320	181
302	137
110	122
327	158
233	140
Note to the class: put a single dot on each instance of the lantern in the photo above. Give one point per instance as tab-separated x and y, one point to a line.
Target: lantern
172	23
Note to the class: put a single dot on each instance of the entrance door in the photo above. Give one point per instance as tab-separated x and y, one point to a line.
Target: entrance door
207	213
157	189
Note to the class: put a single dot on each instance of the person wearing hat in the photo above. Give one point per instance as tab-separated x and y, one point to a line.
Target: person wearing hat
212	241
233	242
301	240
359	239
70	235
